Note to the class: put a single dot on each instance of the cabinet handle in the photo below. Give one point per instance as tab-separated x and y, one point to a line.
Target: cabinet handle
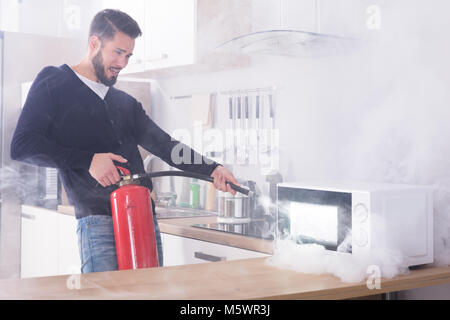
28	216
208	257
162	56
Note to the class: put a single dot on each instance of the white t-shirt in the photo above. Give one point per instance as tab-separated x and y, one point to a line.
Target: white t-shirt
99	88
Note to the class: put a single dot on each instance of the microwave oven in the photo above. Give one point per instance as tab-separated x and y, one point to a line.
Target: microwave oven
356	217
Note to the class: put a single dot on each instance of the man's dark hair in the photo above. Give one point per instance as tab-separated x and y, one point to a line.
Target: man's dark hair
107	22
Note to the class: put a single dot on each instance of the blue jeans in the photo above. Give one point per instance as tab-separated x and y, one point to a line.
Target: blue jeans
97	246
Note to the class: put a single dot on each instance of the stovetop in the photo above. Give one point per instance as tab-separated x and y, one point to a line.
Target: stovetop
255	228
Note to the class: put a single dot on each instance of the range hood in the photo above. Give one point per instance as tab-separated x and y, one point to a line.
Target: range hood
286	41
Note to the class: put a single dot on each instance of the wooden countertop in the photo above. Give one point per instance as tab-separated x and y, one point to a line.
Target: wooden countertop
238	279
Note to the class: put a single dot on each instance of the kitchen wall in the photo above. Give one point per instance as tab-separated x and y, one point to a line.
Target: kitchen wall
314	115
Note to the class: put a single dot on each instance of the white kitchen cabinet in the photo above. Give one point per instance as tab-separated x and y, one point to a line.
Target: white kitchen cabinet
169	31
170	26
48	243
180	250
136	9
39	242
68	254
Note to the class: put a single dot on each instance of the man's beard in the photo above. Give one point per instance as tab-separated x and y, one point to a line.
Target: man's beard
97	61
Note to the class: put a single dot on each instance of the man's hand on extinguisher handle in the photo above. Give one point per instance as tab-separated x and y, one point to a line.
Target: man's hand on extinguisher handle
103	169
221	175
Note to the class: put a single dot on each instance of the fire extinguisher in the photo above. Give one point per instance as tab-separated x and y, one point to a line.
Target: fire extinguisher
132	214
134	230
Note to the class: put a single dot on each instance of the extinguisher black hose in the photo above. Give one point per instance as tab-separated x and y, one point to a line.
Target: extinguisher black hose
190	175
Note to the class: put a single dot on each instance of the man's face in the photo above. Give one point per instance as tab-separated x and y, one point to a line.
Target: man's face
111	57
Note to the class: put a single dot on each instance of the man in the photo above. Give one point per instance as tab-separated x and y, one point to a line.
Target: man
76	121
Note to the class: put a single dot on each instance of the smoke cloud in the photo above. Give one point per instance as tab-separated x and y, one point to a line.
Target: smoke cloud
379	113
313	258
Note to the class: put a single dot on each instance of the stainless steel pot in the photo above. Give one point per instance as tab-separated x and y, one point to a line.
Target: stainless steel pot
230	206
241	206
221	203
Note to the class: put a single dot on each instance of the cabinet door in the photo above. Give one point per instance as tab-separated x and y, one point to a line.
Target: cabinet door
137	10
68	255
27	249
170	27
181	250
39	243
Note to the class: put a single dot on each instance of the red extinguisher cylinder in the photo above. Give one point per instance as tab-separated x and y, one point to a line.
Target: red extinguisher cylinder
134	230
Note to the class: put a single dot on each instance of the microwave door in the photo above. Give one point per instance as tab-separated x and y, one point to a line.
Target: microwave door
313	223
315	216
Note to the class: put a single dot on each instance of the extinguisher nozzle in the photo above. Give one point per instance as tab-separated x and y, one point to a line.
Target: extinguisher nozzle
134	177
243	190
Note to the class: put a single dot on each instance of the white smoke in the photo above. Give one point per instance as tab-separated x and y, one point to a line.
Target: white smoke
383	117
314	259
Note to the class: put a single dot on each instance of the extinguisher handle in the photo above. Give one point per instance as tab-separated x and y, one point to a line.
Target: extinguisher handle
123	171
236	188
242	190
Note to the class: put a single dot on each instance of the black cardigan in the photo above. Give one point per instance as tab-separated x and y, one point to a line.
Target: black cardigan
63	123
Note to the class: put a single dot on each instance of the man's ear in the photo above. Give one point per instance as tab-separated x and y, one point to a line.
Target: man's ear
94	43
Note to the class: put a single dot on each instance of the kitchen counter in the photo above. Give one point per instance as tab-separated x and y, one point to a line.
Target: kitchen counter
238	279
